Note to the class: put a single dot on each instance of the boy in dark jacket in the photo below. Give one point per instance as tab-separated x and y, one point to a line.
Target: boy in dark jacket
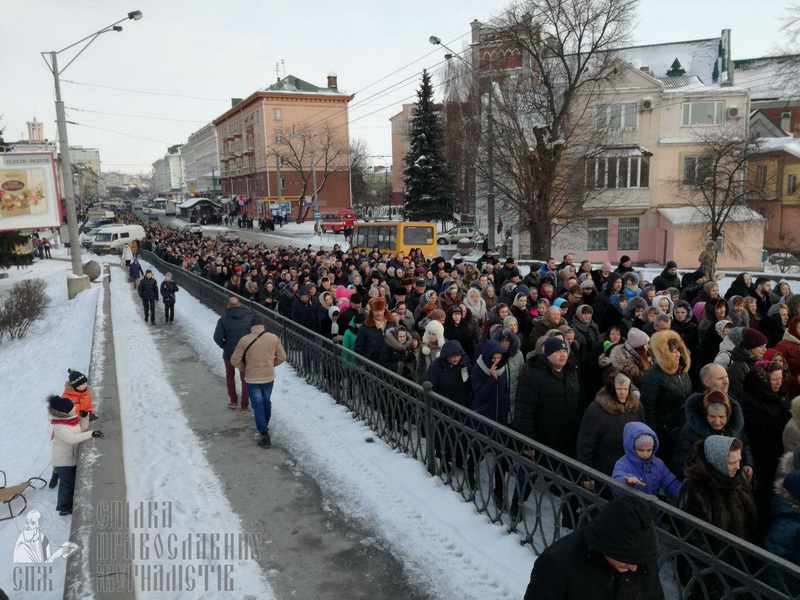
148	292
168	290
135	272
449	374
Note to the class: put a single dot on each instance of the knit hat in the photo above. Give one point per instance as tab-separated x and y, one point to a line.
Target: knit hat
587	284
717	397
753	338
624	531
735	335
558	302
59	404
420	282
554	344
637	338
437	314
624	258
509	319
716	449
76	378
671	264
644	441
720	326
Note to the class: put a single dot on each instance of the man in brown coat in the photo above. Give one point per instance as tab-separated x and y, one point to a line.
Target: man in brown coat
256	355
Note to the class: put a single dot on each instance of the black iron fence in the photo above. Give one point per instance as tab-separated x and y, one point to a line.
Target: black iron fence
531	490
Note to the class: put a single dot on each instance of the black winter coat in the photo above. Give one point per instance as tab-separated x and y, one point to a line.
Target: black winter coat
549	406
765	416
369	342
567	570
451	381
148	289
664	397
231	327
742	362
665	280
600	435
462	333
168	290
697	428
305	314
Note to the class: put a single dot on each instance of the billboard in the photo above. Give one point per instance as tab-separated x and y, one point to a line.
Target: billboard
28	191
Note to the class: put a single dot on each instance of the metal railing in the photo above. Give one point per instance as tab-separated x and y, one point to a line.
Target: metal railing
538	495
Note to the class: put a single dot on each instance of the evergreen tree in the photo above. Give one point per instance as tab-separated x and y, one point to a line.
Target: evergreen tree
429	183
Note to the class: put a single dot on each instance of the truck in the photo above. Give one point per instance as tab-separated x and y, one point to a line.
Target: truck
170	208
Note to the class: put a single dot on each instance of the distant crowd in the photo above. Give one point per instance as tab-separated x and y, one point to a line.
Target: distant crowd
666	385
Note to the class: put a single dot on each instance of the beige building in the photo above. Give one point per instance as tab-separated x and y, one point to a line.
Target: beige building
254	131
657	130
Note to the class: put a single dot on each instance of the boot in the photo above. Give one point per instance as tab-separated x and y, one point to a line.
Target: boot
53	480
265	442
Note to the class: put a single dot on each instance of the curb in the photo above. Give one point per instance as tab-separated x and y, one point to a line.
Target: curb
101	569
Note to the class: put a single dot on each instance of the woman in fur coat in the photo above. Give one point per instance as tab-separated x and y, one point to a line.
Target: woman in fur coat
430	348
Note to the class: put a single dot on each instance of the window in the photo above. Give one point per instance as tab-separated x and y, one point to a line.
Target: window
279	139
277	114
419	235
702	113
618	172
628	233
761	176
696	169
786	121
283	183
387	235
791	186
597	234
124	235
617	116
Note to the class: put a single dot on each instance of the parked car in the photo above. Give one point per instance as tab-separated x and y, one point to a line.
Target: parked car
194	228
456	233
146	210
152	217
228	236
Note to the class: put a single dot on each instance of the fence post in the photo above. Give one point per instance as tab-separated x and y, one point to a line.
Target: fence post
430	433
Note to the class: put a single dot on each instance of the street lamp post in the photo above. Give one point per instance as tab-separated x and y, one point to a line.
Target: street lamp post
490	199
80	282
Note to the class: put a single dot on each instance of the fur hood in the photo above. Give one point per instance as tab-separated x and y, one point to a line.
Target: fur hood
789	337
784	468
659	346
437	329
56	414
696	419
633	304
612	407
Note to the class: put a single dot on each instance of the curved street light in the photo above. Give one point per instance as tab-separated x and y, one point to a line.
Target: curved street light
66	161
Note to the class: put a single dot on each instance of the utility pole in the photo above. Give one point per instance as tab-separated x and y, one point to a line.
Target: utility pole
66	174
490	166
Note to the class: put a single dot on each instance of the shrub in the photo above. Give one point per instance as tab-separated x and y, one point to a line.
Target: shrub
26	302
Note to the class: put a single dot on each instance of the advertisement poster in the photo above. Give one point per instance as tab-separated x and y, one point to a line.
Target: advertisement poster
28	191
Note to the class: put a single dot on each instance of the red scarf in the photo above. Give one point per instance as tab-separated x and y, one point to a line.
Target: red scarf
68	421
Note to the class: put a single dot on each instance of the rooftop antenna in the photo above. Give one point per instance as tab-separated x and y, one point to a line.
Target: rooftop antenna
283	67
277	71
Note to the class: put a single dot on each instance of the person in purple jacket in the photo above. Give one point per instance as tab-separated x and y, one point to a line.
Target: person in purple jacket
640	467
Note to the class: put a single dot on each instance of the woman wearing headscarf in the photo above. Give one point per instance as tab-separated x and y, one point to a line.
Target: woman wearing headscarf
774	324
490	296
741	286
477	308
737	313
600	434
633	357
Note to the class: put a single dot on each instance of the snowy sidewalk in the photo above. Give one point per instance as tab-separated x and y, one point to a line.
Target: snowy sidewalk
379	502
308	549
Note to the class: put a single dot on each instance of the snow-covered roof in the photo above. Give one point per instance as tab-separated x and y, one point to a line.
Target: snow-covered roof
696	56
698	215
681	83
294	85
191	202
790	145
768	77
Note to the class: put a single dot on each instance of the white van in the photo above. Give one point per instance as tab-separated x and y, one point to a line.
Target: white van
113	239
86	239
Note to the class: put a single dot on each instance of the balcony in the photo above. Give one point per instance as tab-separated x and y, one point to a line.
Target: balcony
249	151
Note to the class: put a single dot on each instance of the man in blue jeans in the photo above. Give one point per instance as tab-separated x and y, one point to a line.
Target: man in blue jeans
256	355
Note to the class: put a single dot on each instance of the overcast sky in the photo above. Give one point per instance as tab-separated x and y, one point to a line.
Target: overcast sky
212	50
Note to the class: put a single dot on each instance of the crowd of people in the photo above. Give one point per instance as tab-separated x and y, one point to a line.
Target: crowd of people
666	385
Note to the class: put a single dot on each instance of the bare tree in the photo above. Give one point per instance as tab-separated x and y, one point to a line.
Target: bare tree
359	173
715	182
544	111
308	149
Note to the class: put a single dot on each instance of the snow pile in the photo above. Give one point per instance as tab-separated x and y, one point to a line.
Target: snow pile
443	540
155	426
33	368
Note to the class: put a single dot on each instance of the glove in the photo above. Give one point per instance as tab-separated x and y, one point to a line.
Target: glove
97	434
84	414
